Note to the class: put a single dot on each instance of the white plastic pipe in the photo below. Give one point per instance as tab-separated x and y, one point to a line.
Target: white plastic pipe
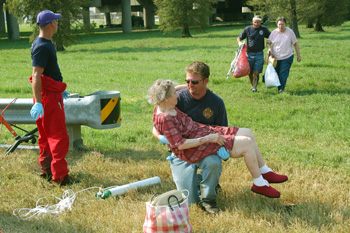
127	187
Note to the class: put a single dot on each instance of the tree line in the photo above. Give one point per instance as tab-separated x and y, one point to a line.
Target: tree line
314	14
186	15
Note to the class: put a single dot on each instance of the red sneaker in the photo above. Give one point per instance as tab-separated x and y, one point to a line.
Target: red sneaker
267	191
272	177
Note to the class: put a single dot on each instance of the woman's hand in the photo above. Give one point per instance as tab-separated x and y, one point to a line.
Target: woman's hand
299	58
216	138
269	52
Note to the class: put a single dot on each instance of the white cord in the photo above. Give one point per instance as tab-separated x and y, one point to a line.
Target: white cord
68	197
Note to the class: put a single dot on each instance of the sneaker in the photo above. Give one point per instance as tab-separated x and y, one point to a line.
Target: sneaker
254	90
210	208
267	191
272	177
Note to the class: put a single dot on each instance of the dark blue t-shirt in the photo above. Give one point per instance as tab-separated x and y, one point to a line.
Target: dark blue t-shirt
255	37
209	110
44	55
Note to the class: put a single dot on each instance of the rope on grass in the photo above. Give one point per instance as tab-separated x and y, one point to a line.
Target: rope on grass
68	198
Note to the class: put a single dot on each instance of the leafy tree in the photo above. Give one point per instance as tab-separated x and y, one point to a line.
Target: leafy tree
274	8
71	11
320	12
324	12
184	14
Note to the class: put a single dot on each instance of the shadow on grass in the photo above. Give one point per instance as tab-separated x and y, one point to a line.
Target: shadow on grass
22	43
11	223
149	49
316	214
125	156
320	92
108	35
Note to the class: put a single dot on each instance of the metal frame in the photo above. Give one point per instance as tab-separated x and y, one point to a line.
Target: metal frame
29	136
235	60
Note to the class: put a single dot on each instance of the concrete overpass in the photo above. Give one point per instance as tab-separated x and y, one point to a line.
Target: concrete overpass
105	6
227	10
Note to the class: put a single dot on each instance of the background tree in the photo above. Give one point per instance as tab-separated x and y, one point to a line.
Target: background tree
274	8
184	14
324	12
71	11
318	12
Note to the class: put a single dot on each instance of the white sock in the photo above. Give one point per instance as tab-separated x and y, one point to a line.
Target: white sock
260	181
265	169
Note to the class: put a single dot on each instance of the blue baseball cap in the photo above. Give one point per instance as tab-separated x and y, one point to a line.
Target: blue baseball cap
46	17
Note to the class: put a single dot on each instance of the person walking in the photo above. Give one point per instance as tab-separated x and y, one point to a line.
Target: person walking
283	39
255	34
48	110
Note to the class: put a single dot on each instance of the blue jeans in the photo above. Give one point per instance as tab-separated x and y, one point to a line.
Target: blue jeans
185	177
282	69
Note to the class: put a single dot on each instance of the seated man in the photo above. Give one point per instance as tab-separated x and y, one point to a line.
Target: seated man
204	107
192	141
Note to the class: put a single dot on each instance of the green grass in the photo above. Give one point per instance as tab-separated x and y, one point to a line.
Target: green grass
303	132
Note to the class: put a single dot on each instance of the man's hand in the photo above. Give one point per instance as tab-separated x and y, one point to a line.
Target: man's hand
240	43
65	94
37	111
223	153
163	139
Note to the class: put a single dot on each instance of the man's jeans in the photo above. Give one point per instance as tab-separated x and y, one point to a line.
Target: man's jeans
185	177
282	69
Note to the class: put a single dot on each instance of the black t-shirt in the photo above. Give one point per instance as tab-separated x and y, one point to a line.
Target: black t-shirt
209	110
43	54
255	37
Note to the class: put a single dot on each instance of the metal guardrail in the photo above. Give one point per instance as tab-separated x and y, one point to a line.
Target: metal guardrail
99	110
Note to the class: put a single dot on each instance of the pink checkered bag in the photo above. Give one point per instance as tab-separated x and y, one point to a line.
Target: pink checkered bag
171	217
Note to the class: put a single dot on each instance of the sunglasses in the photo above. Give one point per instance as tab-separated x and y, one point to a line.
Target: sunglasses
194	82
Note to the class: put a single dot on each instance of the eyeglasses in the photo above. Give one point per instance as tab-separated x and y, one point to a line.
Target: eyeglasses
194	82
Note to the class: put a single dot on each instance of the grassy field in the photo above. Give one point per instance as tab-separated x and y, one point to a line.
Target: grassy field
303	133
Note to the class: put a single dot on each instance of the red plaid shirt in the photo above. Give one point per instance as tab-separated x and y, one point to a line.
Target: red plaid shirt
178	128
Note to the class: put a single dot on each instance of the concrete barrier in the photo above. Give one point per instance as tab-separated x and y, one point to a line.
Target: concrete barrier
99	110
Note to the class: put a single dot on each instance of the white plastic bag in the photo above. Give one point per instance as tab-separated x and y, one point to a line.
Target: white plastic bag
271	77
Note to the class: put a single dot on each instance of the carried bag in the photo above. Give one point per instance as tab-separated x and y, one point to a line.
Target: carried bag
168	213
271	60
242	68
271	77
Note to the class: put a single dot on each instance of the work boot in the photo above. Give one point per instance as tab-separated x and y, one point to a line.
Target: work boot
45	172
210	208
65	181
46	176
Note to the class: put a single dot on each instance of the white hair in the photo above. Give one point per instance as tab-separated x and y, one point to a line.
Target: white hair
159	91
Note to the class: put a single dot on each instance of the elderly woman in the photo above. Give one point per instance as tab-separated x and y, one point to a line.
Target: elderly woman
282	39
192	141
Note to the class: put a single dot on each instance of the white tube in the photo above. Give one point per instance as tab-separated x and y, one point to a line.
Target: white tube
127	187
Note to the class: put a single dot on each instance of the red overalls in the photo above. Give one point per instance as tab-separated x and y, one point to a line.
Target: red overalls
53	137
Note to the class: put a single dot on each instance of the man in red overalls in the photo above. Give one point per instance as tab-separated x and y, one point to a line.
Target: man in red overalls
48	111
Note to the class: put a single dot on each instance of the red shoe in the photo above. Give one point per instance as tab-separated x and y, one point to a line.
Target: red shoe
272	177
267	191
